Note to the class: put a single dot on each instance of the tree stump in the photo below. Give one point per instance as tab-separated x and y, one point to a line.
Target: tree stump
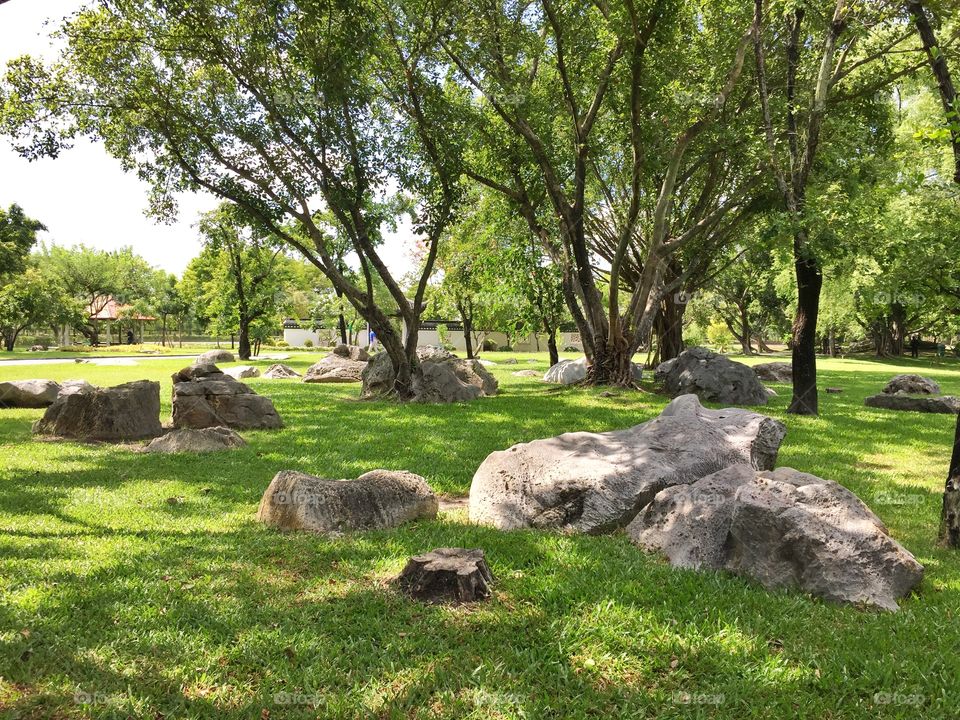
447	575
950	515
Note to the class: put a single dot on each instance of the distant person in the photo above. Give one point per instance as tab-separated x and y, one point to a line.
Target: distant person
372	341
129	337
941	349
915	346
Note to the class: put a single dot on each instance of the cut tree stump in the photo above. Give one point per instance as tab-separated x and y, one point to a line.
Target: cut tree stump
447	575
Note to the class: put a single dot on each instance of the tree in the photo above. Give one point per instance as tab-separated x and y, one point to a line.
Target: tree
31	300
170	304
291	111
18	235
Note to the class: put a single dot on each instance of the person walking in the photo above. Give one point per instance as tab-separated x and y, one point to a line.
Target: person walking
915	346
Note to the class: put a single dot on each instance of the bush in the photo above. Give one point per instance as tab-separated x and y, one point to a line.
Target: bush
281	343
74	348
571	348
308	343
506	348
449	347
489	345
720	336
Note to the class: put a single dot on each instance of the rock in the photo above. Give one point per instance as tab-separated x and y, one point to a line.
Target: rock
447	575
778	372
443	378
38	348
352	352
486	363
189	440
205	397
28	393
834	390
279	371
711	377
375	500
509	361
335	369
124	412
242	372
912	385
915	403
71	387
526	373
782	528
568	372
212	357
597	482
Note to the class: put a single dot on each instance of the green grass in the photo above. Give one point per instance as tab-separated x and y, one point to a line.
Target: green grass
115	603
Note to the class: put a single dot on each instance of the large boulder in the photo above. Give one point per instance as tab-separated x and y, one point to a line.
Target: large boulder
189	440
778	372
335	368
212	357
597	482
711	377
912	385
71	387
915	403
205	397
352	352
783	529
28	393
569	372
279	371
124	412
443	377
375	500
242	372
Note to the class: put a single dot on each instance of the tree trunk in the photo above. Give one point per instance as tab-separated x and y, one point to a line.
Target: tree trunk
341	320
243	343
552	346
950	516
467	320
745	332
898	328
809	283
833	342
9	340
668	327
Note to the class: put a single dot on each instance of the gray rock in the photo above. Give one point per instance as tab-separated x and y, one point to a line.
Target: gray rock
375	500
212	357
124	412
335	369
189	440
526	373
711	377
486	363
509	361
279	371
784	529
912	385
778	372
352	352
71	387
596	482
28	393
915	403
443	377
569	372
205	397
242	372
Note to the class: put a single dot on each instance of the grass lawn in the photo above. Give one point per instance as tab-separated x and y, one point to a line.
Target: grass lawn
115	603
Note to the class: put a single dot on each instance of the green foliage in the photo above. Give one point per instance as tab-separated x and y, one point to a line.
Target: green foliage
31	300
18	235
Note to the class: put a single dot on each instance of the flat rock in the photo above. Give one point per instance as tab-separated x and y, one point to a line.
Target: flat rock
569	372
213	357
911	385
28	393
597	482
124	412
915	403
711	377
335	369
526	373
242	372
443	378
778	372
375	500
486	363
279	371
783	529
189	440
205	397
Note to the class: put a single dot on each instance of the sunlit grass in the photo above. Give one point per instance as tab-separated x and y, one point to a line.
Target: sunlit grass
111	595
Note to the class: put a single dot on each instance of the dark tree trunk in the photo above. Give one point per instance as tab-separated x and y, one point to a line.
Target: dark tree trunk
552	346
950	516
466	319
9	340
745	332
809	283
243	343
898	328
668	328
341	320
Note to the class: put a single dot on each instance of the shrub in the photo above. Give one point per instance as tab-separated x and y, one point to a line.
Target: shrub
281	343
308	343
506	348
720	336
74	348
489	345
571	348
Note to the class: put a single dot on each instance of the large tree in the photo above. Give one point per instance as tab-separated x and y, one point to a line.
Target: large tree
30	300
18	235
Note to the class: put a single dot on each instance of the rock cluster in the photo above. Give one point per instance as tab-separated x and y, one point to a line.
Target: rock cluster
205	397
335	368
443	378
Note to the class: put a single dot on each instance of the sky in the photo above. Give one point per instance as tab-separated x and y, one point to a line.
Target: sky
84	196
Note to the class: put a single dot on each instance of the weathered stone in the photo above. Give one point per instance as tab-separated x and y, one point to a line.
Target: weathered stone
596	482
782	528
569	372
242	372
189	440
912	385
509	361
71	387
834	390
205	397
778	372
28	393
526	373
212	357
38	348
352	352
375	500
915	403
335	369
486	363
279	371
124	412
443	377
711	377
447	575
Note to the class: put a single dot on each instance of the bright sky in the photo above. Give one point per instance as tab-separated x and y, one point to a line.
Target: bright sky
84	196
